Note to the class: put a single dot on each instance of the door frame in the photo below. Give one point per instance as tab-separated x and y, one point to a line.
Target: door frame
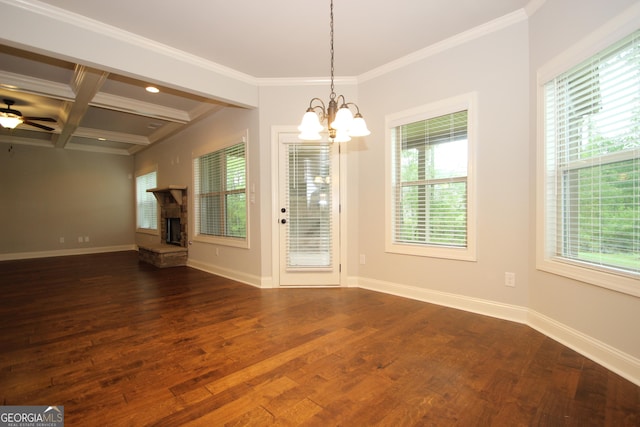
275	214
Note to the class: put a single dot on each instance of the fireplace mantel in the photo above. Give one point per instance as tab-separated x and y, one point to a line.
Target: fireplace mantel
174	190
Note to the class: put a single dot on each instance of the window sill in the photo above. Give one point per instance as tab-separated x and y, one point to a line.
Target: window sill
594	276
222	241
460	254
147	231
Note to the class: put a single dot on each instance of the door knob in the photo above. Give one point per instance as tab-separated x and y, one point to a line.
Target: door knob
284	221
283	210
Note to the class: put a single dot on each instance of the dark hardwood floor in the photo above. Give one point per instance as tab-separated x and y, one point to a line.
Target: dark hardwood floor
122	343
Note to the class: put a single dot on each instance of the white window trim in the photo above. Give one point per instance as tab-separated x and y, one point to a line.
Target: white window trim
237	242
151	231
611	32
467	102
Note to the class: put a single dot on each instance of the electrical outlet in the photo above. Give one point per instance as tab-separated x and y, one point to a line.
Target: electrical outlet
86	239
80	239
510	279
62	240
363	259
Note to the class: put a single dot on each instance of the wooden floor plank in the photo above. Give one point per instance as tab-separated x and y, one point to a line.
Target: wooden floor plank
114	339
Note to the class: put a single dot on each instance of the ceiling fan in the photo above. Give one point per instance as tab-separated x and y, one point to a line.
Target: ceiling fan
10	118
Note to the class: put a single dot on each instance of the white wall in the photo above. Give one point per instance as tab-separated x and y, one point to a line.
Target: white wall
495	66
597	321
173	159
48	194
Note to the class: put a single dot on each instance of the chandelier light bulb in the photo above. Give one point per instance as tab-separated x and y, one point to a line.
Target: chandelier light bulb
310	122
343	119
359	127
342	136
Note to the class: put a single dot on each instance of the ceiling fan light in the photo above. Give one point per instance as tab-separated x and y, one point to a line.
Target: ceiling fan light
343	119
359	127
9	120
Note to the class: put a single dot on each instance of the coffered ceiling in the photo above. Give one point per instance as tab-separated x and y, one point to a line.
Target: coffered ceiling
93	110
105	107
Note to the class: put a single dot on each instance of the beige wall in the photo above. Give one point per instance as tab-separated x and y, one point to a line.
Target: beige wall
495	66
603	316
173	159
48	194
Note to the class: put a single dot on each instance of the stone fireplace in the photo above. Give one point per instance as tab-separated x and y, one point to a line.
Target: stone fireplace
172	250
173	214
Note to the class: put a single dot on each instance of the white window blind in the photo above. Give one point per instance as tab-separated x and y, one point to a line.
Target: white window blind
220	193
430	159
309	198
592	161
146	203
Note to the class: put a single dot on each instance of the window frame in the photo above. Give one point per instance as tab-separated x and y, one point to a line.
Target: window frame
454	104
153	231
239	242
546	218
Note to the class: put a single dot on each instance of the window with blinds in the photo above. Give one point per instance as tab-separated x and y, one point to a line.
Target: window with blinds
430	197
220	193
592	162
146	203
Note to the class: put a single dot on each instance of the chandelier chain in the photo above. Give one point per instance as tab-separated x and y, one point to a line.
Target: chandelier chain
340	121
333	93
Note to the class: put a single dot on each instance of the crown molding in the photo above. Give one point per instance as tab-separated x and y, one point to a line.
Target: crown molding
457	40
532	7
94	26
36	86
101	150
110	136
306	81
88	24
454	41
140	108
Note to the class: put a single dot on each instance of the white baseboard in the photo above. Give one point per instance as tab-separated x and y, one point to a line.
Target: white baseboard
611	358
238	276
510	312
65	252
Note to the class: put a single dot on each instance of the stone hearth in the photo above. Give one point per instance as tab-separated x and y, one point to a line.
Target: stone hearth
173	204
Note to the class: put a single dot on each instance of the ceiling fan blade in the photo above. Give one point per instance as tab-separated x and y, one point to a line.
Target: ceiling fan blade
40	119
37	125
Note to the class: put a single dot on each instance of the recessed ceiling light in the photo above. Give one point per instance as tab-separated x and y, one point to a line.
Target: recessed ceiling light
152	89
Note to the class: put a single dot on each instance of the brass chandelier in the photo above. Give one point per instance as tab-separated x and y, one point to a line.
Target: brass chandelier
341	123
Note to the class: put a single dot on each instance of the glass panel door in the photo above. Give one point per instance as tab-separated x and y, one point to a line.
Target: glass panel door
309	214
